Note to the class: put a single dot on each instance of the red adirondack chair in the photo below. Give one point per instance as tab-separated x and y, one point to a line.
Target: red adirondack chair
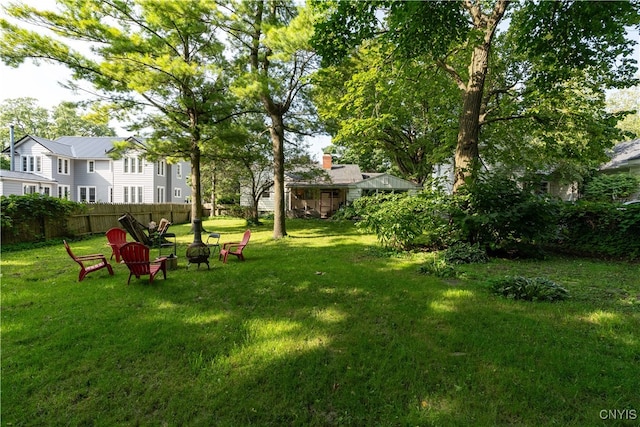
88	262
117	237
234	248
136	258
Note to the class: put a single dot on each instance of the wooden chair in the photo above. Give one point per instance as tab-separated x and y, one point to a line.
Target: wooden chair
88	262
136	258
138	230
117	237
234	248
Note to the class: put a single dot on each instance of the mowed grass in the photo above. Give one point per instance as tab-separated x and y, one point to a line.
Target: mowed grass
320	328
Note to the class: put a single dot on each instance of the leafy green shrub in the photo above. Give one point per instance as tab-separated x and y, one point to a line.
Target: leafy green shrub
465	253
603	229
401	221
347	212
503	215
18	212
611	188
438	267
529	289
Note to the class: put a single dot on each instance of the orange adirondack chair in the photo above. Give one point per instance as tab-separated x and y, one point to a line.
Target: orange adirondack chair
234	248
87	262
117	237
136	258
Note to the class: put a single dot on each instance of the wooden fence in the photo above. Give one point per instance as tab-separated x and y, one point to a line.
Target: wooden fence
98	219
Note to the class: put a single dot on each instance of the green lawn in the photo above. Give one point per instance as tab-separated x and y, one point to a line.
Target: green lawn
320	328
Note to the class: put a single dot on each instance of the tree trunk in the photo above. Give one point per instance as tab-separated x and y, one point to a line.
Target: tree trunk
277	138
467	157
213	190
196	195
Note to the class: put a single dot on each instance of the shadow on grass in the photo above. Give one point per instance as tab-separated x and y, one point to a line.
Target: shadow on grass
311	334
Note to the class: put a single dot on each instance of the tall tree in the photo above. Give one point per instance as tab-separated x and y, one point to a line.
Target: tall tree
387	111
272	38
26	117
142	56
65	119
627	102
556	40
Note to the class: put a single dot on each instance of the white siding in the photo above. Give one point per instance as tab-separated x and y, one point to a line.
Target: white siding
133	179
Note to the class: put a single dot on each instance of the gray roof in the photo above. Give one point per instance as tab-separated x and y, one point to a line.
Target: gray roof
55	147
90	147
338	175
345	174
23	176
623	153
77	147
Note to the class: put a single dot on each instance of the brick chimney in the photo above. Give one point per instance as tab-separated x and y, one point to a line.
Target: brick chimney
326	161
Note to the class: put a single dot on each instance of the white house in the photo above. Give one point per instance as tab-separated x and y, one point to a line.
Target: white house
80	169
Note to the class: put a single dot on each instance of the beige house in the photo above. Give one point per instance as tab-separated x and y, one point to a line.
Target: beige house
320	190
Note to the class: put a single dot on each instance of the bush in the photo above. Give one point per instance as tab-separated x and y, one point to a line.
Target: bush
611	188
17	212
604	229
438	267
347	212
529	289
503	216
465	253
401	221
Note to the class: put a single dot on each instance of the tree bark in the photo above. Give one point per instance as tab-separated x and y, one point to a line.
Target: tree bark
277	138
196	201
467	156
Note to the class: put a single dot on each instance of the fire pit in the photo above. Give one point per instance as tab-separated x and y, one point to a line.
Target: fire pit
198	252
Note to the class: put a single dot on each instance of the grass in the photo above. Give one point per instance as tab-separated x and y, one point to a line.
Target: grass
320	328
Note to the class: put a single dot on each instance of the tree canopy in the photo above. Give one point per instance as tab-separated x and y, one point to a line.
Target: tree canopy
65	119
160	64
511	61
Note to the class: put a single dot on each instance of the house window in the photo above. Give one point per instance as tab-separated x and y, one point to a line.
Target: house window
133	194
63	166
160	167
160	195
46	191
87	194
29	189
132	165
110	190
265	194
91	166
31	164
63	192
179	171
544	188
177	192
